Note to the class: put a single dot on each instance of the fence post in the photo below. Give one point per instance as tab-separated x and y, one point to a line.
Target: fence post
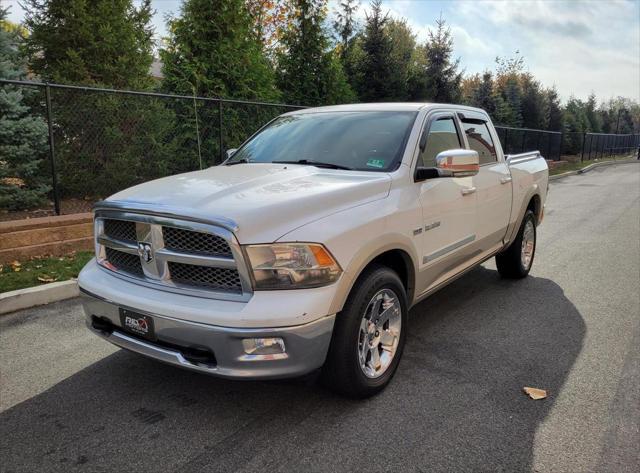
560	148
52	154
584	142
220	131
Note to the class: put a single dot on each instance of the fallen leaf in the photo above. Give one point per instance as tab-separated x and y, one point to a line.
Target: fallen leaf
38	266
47	279
15	265
535	393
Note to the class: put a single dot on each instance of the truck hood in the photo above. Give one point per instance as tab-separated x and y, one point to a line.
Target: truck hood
264	200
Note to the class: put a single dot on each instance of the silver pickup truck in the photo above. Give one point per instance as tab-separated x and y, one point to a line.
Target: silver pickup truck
308	246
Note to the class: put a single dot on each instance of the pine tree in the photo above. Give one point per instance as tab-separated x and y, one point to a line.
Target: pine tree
103	142
534	113
210	52
308	72
403	42
23	135
483	96
440	80
99	42
554	110
345	24
346	30
595	121
376	71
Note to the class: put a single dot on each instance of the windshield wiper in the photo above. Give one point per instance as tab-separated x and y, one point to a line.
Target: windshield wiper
239	161
311	162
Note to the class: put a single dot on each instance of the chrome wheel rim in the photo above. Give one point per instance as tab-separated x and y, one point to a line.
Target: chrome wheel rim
379	333
528	244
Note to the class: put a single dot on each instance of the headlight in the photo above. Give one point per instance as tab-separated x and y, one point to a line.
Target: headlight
292	265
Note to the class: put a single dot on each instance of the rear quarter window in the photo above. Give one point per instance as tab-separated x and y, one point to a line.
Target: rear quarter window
480	140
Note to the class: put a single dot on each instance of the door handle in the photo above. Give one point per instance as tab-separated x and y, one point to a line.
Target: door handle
505	180
468	190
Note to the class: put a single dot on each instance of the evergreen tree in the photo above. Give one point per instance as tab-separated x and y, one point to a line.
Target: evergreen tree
534	113
512	95
403	43
345	24
593	118
104	142
483	96
209	52
508	84
308	72
576	124
346	29
99	42
440	80
23	134
554	110
376	69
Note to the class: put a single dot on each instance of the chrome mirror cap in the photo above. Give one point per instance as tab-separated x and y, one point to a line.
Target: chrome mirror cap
458	163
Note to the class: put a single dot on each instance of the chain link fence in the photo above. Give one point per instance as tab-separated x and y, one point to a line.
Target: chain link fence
95	142
590	146
522	140
65	147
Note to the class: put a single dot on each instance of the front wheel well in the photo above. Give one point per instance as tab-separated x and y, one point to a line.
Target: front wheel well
400	262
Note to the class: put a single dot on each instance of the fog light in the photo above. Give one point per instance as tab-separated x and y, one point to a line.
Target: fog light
263	346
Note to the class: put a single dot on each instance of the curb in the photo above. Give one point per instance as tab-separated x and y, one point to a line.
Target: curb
38	295
591	167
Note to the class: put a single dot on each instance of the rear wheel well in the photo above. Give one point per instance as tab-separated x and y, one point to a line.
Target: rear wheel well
400	262
534	206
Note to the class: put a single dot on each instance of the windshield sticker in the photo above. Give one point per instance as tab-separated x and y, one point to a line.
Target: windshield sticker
376	163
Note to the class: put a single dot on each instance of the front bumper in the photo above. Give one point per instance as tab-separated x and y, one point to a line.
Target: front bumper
305	345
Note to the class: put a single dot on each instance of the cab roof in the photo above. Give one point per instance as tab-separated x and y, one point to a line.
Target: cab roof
383	107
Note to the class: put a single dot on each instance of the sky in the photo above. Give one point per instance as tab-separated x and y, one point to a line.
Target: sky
580	46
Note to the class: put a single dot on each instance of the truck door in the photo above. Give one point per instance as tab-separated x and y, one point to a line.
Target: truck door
448	208
492	183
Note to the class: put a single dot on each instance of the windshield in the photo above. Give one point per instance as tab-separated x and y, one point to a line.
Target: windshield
367	141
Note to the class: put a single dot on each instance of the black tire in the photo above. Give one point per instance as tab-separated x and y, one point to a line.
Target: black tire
509	262
342	372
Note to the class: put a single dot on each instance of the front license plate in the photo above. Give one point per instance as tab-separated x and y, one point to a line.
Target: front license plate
137	324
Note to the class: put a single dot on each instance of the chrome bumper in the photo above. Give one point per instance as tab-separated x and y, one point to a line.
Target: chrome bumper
305	345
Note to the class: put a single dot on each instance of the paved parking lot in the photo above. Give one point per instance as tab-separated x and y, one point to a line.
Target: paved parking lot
72	402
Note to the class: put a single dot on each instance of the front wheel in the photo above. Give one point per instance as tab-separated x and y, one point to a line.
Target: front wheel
368	336
516	261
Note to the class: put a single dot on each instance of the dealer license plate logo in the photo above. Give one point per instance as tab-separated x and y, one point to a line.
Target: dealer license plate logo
137	324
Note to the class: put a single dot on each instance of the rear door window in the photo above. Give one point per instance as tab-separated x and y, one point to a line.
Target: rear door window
442	136
480	140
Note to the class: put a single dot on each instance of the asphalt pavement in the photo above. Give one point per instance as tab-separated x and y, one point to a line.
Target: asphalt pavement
72	402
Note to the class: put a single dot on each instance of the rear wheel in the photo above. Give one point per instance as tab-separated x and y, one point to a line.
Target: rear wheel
516	261
368	336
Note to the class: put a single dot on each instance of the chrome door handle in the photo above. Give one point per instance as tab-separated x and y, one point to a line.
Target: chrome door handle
468	190
505	180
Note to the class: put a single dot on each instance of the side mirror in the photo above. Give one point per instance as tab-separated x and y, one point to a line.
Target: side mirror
451	163
231	152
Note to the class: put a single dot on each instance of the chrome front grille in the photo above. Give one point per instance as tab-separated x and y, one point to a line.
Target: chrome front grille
195	258
195	242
